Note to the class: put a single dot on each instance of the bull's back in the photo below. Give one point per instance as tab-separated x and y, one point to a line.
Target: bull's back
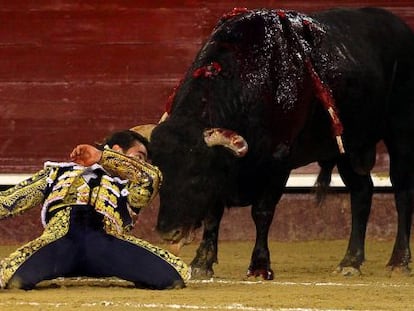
373	27
367	41
370	70
374	69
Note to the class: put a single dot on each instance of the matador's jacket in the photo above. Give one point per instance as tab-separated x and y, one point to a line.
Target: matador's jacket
116	188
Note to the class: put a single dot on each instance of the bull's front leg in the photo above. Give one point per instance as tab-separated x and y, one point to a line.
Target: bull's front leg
206	255
262	214
260	260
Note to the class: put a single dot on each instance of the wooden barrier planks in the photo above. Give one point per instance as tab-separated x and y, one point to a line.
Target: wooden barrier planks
70	72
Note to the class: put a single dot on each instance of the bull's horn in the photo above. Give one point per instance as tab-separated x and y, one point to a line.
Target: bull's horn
226	138
144	130
163	117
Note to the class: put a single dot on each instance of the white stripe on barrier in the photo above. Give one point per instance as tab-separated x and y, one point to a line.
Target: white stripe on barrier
12	179
308	180
295	180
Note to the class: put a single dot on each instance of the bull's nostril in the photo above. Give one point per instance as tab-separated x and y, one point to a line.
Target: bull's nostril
176	235
162	227
170	235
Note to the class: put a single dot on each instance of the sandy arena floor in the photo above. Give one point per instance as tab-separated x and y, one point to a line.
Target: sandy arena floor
303	282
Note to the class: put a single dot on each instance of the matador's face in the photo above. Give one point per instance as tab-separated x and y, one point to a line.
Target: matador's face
137	150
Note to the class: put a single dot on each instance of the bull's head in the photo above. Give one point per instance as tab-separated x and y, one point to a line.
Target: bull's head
196	165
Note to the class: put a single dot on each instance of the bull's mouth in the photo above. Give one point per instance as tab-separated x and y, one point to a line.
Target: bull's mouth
178	242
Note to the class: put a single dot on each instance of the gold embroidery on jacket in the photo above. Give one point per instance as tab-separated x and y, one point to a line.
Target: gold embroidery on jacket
23	196
106	203
65	189
140	194
136	171
55	229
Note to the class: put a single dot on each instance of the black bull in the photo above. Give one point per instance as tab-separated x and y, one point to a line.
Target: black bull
274	90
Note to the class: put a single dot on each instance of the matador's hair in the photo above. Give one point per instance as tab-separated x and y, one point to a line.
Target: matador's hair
125	139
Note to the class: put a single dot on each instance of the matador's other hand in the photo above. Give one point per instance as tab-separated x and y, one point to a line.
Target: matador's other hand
85	155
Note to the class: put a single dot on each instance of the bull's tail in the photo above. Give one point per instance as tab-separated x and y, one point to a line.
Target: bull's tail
323	180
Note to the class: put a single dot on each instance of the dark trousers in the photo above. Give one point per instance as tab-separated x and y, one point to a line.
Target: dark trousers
87	250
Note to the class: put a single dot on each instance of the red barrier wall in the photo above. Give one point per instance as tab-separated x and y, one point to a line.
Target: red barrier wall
71	71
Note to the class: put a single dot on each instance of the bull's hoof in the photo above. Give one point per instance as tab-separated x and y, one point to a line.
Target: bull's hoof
399	271
265	274
199	273
347	271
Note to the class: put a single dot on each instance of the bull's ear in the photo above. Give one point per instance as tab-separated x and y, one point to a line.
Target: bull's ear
226	138
144	130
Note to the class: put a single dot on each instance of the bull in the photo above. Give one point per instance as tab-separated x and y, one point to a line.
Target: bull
274	90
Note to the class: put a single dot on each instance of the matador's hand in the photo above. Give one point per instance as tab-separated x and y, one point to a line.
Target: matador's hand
85	155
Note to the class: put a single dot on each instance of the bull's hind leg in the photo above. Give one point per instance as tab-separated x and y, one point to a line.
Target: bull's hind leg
400	145
402	178
361	191
206	255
